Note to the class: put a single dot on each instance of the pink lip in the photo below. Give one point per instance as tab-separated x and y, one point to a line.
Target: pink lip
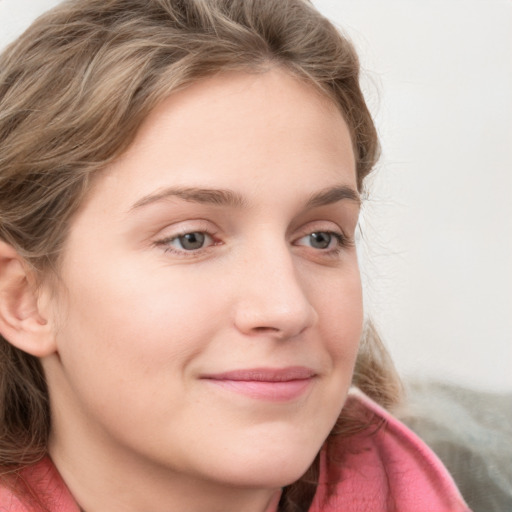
273	384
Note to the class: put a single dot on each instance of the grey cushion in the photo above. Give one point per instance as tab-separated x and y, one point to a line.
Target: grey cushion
471	432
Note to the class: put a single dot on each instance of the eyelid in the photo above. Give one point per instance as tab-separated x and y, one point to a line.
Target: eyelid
165	244
326	226
180	229
333	234
342	239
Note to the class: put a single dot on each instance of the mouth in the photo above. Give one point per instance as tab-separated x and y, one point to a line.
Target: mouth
271	384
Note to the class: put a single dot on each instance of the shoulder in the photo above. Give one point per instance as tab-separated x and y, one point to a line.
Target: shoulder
36	488
384	467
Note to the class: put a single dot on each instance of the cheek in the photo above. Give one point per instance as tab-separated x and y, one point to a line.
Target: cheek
129	321
130	338
341	317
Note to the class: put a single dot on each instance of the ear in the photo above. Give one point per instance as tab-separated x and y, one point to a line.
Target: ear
21	322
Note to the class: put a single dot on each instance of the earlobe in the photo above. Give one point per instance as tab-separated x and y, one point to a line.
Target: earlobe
21	321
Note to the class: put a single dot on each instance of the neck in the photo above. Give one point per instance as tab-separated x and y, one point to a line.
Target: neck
101	480
117	488
272	505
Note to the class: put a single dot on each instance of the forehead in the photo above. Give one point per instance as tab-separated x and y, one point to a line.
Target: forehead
231	129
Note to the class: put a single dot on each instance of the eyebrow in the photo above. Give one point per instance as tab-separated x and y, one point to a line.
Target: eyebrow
230	198
217	197
333	195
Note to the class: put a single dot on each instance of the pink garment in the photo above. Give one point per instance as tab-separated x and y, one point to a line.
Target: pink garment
39	488
385	468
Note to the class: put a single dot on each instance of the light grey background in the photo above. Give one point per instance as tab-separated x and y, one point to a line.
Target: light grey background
438	223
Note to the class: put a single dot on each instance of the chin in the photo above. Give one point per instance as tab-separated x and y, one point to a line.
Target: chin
267	478
272	469
274	454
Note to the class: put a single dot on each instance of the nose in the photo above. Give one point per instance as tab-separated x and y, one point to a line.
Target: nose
271	298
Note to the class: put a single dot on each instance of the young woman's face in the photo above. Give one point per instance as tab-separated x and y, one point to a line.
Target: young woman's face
211	306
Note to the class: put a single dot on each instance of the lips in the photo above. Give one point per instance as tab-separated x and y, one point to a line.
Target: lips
273	384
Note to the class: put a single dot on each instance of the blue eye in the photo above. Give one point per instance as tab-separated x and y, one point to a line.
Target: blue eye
321	240
192	241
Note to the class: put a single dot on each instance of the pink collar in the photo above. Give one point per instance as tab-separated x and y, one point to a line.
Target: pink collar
385	468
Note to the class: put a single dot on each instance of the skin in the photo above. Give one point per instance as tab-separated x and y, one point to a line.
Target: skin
139	320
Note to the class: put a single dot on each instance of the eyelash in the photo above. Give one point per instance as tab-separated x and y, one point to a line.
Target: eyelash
342	242
165	243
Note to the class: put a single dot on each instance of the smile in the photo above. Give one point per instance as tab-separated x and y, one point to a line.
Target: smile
276	385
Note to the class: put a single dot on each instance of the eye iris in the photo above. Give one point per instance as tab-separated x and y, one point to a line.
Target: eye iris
320	240
192	241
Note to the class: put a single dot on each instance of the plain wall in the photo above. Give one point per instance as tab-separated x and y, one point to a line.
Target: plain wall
437	225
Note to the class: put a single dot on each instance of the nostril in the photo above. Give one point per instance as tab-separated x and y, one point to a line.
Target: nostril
265	329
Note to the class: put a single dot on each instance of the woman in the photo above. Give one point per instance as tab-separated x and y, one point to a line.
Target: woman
180	296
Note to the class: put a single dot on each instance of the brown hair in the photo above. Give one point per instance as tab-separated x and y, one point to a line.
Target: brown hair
73	91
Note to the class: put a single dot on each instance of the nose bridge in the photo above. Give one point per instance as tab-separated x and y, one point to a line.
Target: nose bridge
272	297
